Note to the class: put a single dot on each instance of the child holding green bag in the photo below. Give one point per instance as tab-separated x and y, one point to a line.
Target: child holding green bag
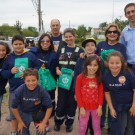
12	69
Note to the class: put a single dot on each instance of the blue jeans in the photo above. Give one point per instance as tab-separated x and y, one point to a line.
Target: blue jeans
103	117
27	119
1	97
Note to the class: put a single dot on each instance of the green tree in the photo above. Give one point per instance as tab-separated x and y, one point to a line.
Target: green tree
80	34
18	26
34	30
28	33
8	31
103	25
121	23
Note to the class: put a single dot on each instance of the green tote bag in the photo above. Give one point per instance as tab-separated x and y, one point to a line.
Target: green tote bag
65	79
45	79
21	64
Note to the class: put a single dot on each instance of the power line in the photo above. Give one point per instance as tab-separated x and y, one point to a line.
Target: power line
35	5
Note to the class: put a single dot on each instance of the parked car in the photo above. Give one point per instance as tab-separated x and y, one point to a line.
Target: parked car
29	42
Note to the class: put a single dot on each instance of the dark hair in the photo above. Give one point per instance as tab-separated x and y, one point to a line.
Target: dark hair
118	54
70	30
117	28
30	72
6	46
128	5
17	37
88	62
51	47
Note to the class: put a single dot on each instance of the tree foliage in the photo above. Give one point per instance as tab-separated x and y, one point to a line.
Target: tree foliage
121	23
18	26
103	25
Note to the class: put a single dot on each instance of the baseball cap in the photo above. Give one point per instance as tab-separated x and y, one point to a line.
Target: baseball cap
88	40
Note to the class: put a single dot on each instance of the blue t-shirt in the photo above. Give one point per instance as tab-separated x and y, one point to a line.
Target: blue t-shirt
30	100
122	93
56	40
102	46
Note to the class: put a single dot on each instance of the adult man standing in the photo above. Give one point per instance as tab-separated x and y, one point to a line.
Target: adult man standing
128	34
56	36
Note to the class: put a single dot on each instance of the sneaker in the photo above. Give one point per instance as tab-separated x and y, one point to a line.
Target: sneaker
48	129
8	118
14	133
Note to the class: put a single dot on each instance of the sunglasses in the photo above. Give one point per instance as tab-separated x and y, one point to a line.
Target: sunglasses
47	41
114	32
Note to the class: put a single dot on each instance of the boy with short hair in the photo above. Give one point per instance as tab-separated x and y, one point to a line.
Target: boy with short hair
30	97
9	70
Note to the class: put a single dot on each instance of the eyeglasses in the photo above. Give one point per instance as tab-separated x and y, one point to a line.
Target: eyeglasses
110	32
47	41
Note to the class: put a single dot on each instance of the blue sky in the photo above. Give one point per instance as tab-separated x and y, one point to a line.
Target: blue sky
88	12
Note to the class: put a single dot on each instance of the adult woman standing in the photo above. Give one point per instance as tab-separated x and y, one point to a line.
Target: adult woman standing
66	105
46	55
112	35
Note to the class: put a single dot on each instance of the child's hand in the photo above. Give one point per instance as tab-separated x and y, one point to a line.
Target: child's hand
99	111
113	113
82	55
72	74
75	97
132	111
41	128
21	125
58	72
21	76
14	70
82	112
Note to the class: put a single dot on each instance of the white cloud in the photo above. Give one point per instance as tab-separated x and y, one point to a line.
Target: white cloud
88	12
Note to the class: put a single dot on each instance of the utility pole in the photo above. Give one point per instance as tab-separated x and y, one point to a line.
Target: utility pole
39	16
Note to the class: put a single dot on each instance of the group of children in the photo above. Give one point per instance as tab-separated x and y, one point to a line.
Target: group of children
27	97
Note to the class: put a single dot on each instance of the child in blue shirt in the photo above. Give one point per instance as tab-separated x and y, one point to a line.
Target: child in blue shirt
9	70
30	97
4	50
119	89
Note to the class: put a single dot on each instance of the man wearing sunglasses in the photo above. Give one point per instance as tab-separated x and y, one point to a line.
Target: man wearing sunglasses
128	34
56	35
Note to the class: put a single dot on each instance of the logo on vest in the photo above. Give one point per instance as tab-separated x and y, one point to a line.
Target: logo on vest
65	80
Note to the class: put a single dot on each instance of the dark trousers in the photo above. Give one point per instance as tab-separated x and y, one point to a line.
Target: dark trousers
52	95
66	103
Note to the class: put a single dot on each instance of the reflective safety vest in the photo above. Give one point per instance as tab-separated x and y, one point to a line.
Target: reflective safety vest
65	61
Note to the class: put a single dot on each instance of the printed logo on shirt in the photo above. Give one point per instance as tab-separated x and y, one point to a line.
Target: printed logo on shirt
122	79
69	54
115	85
56	43
92	84
37	102
30	99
